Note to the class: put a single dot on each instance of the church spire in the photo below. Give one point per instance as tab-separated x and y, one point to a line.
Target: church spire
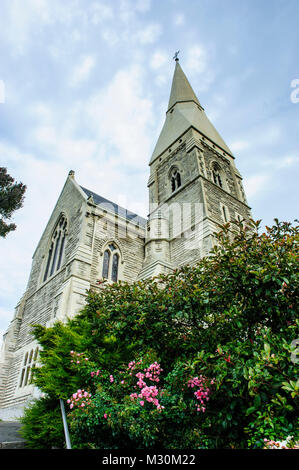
181	90
185	112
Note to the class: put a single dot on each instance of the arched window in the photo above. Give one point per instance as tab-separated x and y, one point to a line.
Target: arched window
216	175
56	250
111	258
175	179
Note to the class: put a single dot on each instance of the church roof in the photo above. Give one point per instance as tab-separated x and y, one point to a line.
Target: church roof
112	206
184	111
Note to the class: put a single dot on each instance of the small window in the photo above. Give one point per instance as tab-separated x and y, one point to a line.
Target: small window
29	363
175	180
224	213
56	250
111	263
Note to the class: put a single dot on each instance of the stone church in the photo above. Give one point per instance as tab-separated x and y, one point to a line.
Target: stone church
194	186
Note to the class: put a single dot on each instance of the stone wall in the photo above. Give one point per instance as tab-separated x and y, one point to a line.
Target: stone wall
64	293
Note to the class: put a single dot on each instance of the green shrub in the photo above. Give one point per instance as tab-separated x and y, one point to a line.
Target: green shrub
224	326
42	426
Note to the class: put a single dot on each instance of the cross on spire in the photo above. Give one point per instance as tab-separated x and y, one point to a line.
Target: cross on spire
175	57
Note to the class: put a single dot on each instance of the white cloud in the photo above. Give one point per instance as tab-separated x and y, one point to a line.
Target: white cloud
269	135
158	59
197	64
101	12
6	316
121	117
239	145
179	19
160	80
2	92
24	18
129	8
82	70
196	59
255	184
110	36
143	5
280	162
149	34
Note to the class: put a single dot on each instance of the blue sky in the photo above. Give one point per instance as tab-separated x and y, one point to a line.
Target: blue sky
84	85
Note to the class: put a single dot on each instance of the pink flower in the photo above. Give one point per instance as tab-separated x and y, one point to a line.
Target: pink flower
141	402
105	416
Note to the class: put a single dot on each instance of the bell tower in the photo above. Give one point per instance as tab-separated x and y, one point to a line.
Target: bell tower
194	185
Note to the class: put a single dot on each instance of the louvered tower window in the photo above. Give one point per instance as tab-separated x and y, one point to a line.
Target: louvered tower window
216	175
175	179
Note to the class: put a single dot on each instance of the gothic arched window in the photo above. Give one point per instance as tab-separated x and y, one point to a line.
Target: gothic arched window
216	175
111	263
56	250
175	179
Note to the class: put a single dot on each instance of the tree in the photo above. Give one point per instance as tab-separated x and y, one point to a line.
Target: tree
199	358
11	199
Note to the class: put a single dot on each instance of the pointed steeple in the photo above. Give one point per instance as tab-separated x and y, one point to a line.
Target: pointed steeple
185	111
181	89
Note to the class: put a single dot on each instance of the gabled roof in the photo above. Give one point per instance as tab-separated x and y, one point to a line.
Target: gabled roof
113	207
184	111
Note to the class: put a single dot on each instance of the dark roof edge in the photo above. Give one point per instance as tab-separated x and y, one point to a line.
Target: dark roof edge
113	207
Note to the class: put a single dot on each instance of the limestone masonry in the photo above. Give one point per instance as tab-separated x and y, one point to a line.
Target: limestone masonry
194	186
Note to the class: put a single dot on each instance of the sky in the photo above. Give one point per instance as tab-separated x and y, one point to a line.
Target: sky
84	86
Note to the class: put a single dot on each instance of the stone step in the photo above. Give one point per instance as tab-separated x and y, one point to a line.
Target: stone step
13	445
9	435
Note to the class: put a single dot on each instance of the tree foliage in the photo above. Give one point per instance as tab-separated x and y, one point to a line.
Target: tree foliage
221	334
11	199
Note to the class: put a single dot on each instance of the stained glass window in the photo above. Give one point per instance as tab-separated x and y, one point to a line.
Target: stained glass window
106	260
111	263
114	272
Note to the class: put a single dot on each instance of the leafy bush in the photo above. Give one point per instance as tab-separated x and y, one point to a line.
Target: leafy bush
42	426
220	334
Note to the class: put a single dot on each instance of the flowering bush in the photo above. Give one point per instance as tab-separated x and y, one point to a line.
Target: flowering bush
127	403
202	392
200	358
79	399
277	445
